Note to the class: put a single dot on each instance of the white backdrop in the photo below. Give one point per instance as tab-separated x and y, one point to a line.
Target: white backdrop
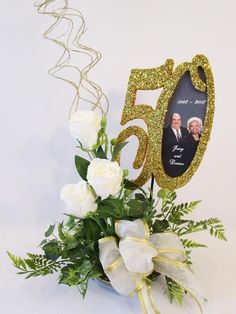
37	151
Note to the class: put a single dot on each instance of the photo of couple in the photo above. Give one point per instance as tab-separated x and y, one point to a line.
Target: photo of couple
179	144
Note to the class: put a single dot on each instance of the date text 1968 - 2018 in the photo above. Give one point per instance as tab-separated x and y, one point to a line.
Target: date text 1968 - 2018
196	101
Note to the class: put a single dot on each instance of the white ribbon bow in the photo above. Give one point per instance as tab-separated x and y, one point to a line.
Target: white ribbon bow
138	255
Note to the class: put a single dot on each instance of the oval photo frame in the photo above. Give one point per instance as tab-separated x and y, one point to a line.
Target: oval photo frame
150	156
179	157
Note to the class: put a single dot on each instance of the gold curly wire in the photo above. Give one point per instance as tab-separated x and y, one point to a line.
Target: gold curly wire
71	44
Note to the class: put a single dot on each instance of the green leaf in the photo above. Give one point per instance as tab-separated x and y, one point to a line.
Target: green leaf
33	274
82	166
106	212
118	147
43	242
173	195
79	274
136	208
176	212
60	232
129	185
214	225
192	205
188	257
140	197
18	262
93	232
160	226
163	193
166	208
49	231
191	244
12	257
35	265
175	291
52	250
30	264
181	222
100	153
83	286
136	212
70	223
111	202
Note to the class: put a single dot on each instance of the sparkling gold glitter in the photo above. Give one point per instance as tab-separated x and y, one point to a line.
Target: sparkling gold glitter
149	154
143	142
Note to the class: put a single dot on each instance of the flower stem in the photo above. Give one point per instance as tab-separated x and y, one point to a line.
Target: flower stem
152	186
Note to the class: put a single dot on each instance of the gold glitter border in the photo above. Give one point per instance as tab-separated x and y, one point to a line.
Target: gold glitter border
150	143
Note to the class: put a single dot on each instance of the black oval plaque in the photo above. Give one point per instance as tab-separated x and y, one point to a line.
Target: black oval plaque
183	125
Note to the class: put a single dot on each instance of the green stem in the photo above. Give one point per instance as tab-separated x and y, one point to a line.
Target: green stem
168	212
106	144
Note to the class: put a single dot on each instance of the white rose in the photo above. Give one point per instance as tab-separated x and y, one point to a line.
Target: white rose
105	177
84	126
79	199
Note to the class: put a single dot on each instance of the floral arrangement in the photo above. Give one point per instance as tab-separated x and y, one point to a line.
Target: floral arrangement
116	231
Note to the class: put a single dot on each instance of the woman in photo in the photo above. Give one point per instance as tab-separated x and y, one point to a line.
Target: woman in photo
194	127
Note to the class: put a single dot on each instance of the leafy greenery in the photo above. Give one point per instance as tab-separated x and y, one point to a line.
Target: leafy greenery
214	225
175	214
70	248
35	265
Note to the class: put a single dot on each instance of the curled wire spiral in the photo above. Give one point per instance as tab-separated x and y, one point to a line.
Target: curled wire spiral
69	40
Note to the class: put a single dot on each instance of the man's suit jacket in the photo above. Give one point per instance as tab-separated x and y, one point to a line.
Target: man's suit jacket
169	135
174	166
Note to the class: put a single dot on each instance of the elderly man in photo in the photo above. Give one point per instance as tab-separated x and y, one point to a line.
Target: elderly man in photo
174	147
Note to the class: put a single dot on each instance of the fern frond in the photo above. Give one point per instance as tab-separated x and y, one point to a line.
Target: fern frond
175	291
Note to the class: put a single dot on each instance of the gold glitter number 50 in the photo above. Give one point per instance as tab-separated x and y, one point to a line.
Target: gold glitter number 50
149	154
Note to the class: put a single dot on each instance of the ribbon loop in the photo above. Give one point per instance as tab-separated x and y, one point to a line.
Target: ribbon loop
121	279
137	229
169	245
